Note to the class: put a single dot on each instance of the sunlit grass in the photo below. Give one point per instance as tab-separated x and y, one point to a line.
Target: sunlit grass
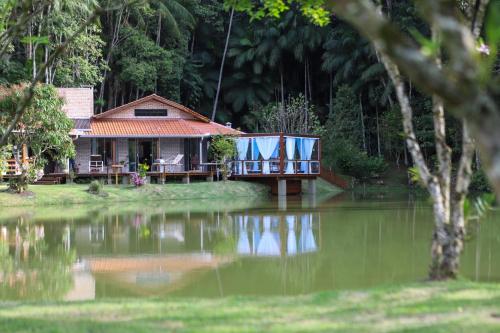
77	194
431	307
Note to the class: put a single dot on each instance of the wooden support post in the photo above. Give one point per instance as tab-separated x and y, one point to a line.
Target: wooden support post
24	153
319	156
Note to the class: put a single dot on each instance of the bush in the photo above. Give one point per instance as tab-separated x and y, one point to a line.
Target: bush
143	169
351	161
95	187
138	180
221	150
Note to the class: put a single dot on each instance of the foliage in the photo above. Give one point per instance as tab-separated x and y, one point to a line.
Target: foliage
96	187
143	169
84	62
477	208
297	116
222	149
138	180
141	62
344	124
479	182
5	154
350	160
43	127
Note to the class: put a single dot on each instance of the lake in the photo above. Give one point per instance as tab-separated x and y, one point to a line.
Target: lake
219	248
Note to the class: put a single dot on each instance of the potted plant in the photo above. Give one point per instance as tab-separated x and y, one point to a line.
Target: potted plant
222	150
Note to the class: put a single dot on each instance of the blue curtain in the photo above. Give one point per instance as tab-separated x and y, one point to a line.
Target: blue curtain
267	145
255	155
242	146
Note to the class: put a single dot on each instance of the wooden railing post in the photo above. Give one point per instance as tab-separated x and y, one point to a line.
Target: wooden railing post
282	152
319	156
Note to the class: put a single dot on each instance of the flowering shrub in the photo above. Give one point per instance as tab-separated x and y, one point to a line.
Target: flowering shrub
138	180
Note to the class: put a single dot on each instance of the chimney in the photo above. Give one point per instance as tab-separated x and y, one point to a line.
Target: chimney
230	125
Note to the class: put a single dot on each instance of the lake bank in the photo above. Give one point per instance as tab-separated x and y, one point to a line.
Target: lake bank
75	194
454	306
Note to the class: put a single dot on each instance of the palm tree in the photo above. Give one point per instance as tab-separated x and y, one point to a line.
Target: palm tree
173	17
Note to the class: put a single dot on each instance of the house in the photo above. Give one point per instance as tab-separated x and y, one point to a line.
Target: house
145	131
171	138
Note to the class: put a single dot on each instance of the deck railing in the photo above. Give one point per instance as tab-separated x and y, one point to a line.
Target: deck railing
279	163
256	167
14	168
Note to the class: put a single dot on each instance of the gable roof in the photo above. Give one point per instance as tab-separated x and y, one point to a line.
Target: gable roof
157	98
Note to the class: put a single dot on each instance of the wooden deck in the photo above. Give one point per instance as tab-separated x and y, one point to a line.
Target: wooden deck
279	167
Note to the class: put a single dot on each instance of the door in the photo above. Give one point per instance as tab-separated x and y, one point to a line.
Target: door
191	154
132	155
145	152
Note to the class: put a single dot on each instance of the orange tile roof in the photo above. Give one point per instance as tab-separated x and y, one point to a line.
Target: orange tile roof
116	127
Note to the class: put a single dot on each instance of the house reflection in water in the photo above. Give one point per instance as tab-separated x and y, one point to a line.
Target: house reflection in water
276	235
140	254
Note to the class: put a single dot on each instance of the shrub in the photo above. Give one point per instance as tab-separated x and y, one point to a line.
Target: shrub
143	169
138	180
222	149
351	161
95	187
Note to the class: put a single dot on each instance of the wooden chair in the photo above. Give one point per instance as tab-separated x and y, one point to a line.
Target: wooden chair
96	163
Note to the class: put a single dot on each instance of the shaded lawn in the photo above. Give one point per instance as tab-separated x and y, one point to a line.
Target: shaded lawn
77	194
430	307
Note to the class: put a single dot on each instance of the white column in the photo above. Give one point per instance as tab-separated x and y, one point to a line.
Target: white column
282	187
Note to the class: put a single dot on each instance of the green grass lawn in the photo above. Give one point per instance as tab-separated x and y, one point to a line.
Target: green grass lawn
43	195
430	307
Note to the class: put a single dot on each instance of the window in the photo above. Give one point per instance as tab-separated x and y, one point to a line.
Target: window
151	112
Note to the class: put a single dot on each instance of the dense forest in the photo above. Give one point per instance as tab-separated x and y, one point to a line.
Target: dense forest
174	48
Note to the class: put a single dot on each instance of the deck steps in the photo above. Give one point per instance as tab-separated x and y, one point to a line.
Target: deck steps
49	180
333	178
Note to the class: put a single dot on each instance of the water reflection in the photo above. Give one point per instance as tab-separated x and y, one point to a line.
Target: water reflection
257	250
276	235
29	269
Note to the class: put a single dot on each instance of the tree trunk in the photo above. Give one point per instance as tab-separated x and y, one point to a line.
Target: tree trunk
112	45
214	111
158	31
457	229
330	103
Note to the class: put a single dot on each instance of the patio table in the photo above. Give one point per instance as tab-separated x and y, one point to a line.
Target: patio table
207	164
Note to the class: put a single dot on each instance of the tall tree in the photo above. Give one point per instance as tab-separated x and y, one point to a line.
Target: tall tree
463	85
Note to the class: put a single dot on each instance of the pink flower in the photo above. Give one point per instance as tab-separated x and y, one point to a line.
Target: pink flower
138	180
